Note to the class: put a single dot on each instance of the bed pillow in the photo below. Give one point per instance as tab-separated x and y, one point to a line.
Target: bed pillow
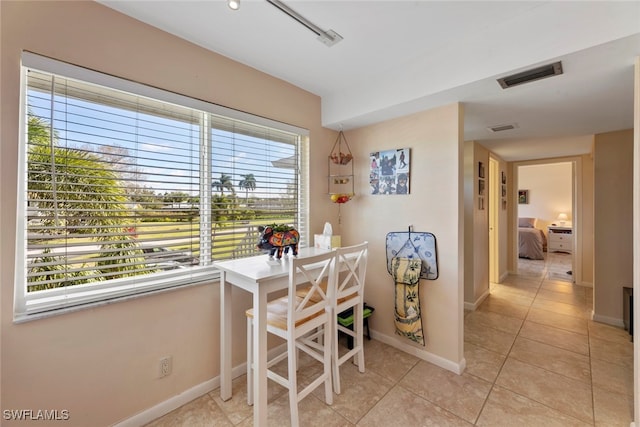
527	222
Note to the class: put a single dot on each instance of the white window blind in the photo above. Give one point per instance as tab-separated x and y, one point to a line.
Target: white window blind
127	193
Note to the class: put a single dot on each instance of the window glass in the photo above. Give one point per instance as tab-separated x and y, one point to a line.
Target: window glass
124	193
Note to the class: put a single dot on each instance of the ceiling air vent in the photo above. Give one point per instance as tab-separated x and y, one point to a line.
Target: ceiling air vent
500	128
534	74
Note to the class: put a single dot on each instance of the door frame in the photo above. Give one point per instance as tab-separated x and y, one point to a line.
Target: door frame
494	220
576	206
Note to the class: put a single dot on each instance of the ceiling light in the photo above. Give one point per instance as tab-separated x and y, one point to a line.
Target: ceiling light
531	75
328	37
233	4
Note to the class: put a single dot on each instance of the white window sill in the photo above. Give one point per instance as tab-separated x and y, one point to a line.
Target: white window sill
79	306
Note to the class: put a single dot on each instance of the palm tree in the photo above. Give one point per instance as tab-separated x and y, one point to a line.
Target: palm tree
222	183
248	182
77	187
76	192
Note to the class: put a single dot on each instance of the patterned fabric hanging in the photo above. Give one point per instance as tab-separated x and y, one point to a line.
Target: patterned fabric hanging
406	273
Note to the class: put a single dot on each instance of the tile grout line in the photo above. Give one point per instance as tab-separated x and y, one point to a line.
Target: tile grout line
546	269
397	383
593	397
493	383
593	418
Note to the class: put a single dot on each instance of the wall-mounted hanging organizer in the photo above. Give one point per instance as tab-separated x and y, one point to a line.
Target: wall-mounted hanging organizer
341	186
410	244
411	256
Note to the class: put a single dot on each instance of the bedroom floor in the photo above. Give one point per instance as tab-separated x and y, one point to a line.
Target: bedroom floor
533	358
555	266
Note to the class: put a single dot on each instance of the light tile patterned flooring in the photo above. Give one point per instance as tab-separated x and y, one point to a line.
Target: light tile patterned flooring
533	359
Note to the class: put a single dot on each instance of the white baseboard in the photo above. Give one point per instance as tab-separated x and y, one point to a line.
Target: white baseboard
163	408
473	306
454	367
607	320
503	276
170	404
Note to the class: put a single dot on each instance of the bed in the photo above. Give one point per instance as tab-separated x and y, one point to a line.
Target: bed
531	240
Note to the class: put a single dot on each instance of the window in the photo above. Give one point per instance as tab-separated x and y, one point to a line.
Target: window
129	189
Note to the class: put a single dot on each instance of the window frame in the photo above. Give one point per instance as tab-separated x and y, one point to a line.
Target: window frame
43	303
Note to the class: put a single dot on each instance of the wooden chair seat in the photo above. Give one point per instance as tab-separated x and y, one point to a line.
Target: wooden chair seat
304	290
277	313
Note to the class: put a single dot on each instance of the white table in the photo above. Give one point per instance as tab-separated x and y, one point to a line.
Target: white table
255	275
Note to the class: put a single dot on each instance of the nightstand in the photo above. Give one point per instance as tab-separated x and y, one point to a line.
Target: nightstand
559	239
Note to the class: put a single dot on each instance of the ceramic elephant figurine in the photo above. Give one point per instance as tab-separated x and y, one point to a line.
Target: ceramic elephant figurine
276	241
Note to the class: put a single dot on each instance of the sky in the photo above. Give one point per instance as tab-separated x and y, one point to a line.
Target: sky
159	143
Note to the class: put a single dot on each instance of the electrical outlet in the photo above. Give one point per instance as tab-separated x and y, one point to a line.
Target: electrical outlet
165	366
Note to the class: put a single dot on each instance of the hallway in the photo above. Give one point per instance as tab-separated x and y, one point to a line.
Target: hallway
532	336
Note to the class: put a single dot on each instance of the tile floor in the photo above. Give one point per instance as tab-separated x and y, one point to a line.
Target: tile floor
533	359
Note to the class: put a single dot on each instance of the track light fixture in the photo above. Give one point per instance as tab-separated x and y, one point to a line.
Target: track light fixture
328	37
233	4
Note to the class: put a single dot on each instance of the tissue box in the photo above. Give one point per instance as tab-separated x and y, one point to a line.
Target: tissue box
323	241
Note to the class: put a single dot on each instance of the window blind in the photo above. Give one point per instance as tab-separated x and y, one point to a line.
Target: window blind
125	193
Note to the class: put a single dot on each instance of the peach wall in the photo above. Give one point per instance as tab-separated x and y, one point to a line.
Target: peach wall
101	364
480	247
470	187
585	242
434	205
503	222
636	237
613	222
476	245
477	224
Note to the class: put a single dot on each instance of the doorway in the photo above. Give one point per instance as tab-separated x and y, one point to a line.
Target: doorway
547	194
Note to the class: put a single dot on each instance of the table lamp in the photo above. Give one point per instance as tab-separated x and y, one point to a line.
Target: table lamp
562	218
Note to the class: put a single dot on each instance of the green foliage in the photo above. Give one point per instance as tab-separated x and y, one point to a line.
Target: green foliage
145	197
76	189
248	182
50	269
224	182
280	227
221	207
76	192
175	197
123	258
247	214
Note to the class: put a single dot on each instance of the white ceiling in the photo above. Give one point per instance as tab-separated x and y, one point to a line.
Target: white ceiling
400	57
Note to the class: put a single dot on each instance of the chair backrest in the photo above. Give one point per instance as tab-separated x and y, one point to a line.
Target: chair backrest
318	272
352	269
